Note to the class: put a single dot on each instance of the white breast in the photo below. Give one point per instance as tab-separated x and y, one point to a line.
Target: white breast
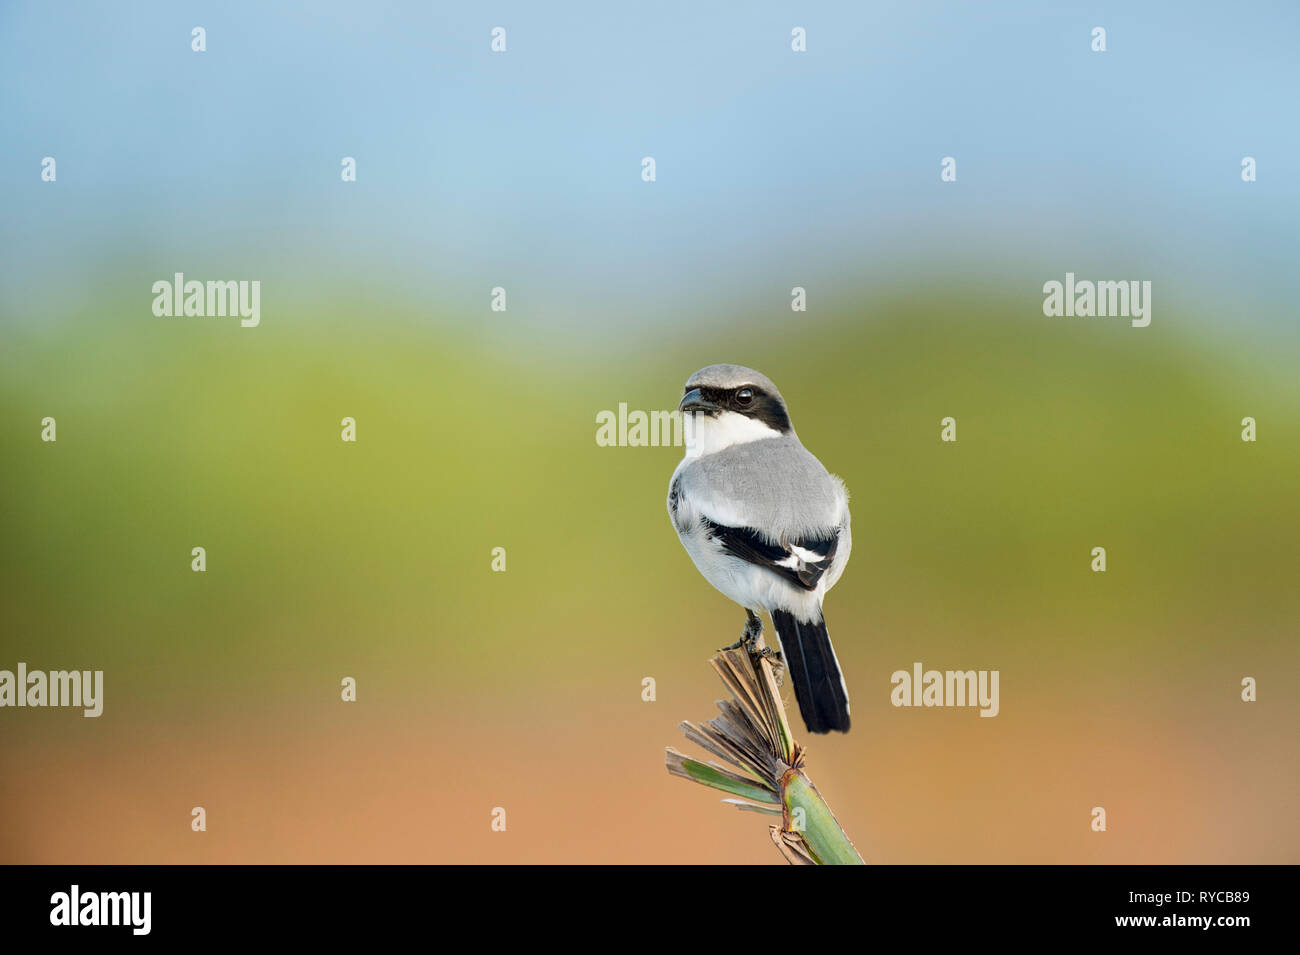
705	434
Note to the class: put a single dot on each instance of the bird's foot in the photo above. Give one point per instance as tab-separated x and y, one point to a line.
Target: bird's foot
749	637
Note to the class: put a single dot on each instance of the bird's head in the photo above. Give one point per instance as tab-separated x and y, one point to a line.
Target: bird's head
729	404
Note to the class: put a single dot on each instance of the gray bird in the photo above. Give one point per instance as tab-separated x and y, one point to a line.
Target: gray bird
766	524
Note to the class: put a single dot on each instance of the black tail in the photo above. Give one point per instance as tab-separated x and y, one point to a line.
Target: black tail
810	660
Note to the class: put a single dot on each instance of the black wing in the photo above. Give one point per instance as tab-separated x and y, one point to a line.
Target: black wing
801	561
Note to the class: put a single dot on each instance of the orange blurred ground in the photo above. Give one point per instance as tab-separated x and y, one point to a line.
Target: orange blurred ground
344	785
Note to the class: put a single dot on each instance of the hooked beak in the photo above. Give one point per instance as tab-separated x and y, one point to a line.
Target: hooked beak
694	400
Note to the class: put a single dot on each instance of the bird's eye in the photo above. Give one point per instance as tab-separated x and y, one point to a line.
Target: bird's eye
744	396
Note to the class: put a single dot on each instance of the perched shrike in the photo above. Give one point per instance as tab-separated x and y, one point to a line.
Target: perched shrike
765	524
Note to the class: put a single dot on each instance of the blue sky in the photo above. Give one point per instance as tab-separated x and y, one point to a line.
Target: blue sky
523	168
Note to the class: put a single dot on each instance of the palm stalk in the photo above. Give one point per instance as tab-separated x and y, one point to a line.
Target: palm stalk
752	736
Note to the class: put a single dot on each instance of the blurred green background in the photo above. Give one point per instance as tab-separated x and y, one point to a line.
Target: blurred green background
522	689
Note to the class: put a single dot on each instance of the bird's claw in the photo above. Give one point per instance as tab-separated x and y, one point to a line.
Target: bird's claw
750	636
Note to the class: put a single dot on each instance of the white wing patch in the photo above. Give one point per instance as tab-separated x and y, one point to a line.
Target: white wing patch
807	556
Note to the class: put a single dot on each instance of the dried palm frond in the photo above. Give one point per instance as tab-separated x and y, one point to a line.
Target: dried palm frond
752	736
